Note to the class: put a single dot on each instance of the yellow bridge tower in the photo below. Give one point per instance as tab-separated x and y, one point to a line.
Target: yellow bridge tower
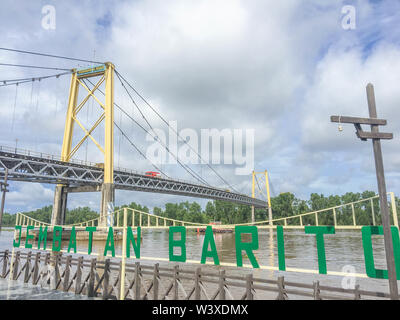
106	74
264	174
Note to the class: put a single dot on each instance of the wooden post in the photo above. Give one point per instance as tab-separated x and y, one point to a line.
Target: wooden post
281	289
197	289
27	267
90	286
137	280
67	273
316	291
78	277
357	295
35	278
16	265
249	287
301	221
155	281
106	279
222	293
376	137
57	258
387	234
316	218
46	263
176	279
5	262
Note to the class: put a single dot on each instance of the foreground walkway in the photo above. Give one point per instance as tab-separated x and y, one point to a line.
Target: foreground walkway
16	290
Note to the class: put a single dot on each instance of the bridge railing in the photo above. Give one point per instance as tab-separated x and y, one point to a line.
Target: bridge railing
352	215
52	157
362	212
137	218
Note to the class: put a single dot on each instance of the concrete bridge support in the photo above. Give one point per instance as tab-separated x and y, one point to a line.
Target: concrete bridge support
59	205
107	202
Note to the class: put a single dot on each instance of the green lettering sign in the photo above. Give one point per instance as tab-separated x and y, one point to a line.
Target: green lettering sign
110	242
281	248
72	240
181	243
17	244
209	240
367	233
248	247
42	237
130	239
90	230
29	237
319	232
57	236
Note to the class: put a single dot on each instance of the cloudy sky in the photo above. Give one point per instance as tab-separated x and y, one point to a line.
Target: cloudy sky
278	67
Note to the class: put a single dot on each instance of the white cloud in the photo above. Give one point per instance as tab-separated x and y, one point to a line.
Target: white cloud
280	68
29	195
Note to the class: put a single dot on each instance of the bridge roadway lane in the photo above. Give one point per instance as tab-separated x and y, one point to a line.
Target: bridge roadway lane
31	166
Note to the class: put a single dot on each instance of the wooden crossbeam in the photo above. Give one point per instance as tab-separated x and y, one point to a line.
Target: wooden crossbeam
345	119
374	135
363	135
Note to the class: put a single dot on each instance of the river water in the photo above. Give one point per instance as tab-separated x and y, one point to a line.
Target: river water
344	251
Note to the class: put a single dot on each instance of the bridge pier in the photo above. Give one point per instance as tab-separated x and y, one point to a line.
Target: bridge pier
59	205
107	202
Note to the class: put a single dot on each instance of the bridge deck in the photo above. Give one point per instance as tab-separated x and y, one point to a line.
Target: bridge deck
41	168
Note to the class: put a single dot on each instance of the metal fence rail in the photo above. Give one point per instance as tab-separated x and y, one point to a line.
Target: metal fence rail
358	209
102	278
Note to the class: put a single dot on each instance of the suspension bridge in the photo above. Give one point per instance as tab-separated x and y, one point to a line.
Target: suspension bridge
71	175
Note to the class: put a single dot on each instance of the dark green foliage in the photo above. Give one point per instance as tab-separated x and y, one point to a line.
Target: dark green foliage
44	215
284	205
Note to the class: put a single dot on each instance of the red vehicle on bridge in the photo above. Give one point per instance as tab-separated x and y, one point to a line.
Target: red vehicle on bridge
152	174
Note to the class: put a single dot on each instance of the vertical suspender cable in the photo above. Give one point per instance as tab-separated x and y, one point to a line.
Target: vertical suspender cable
36	110
15	104
119	139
